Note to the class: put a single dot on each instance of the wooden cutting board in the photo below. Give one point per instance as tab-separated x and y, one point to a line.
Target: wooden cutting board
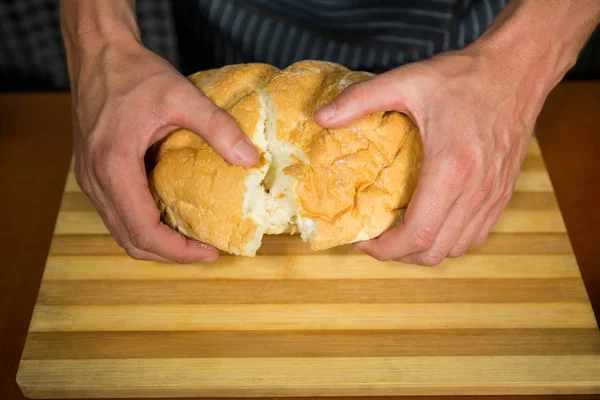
510	317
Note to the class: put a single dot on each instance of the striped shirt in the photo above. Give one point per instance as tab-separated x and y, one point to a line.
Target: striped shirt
373	35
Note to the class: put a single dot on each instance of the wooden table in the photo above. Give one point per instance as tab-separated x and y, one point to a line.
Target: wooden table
35	148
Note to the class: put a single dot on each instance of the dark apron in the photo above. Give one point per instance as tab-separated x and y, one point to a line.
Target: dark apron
372	35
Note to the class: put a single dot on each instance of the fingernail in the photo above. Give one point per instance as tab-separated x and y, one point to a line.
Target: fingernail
211	258
327	112
244	150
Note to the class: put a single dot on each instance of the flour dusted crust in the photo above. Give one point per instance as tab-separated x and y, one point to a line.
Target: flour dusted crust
336	186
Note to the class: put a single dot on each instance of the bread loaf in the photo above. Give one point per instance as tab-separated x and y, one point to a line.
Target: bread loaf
335	186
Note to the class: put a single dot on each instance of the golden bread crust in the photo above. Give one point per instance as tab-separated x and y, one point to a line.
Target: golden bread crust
352	181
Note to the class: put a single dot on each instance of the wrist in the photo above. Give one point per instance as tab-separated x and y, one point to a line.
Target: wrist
542	39
89	28
531	45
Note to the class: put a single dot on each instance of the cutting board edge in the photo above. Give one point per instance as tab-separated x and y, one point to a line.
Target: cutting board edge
449	379
584	389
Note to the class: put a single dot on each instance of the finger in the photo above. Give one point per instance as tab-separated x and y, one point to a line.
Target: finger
414	259
114	224
385	92
122	238
434	197
197	113
136	209
142	255
459	217
506	187
469	233
492	218
443	242
488	198
103	206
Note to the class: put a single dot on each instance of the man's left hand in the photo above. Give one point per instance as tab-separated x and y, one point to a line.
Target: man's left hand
476	119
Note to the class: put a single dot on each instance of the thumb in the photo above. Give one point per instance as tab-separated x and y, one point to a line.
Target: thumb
197	113
385	92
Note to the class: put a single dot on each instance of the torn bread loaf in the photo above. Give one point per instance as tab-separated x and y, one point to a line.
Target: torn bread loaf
334	186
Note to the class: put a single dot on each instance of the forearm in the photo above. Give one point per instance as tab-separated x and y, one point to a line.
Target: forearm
540	40
88	27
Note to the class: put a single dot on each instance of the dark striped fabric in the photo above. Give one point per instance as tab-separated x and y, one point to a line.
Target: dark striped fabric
32	55
373	35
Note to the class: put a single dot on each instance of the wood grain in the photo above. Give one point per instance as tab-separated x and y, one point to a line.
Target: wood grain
314	376
496	243
342	343
513	220
325	291
337	266
282	317
510	317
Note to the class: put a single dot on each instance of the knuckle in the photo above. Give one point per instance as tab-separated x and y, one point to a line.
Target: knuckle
175	95
485	188
140	239
506	196
468	159
458	250
359	92
101	171
482	237
423	239
487	184
466	164
119	239
381	256
182	259
97	163
135	253
218	123
430	259
503	145
169	107
83	183
216	118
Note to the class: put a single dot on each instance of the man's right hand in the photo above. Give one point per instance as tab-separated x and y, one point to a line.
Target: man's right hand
125	98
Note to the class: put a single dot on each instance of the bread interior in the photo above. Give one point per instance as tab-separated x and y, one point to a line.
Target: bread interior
270	200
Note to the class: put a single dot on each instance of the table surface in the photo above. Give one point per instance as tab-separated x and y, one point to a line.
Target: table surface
35	150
